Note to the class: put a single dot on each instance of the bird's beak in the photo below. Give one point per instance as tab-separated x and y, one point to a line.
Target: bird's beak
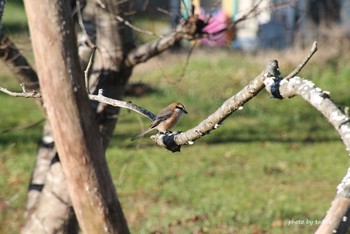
185	111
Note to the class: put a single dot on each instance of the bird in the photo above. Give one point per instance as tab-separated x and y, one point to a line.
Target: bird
165	120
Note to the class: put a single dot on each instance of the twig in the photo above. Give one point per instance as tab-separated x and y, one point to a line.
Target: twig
81	24
88	67
211	11
164	11
33	94
183	71
122	104
187	61
18	64
127	23
18	128
303	63
174	141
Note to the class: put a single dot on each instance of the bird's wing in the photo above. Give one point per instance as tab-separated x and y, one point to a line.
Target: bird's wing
163	115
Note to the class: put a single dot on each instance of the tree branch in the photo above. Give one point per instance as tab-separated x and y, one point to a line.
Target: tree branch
303	63
125	22
88	67
319	99
18	63
184	30
33	94
122	104
173	141
337	218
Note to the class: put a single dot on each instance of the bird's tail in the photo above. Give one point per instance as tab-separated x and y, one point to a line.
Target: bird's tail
141	134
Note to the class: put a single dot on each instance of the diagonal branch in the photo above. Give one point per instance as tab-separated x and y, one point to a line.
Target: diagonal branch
184	30
303	63
173	142
33	94
337	219
18	63
122	104
320	100
337	215
126	22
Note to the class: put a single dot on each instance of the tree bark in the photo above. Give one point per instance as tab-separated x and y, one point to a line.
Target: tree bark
107	69
337	217
114	40
111	74
76	135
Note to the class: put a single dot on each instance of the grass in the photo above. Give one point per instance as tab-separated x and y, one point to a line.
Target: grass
270	166
14	18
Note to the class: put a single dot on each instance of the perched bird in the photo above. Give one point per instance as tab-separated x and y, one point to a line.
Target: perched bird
166	119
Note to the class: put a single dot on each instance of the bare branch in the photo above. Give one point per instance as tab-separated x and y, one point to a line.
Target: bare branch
127	23
18	63
184	30
321	100
303	63
88	67
33	94
146	51
99	98
19	128
82	26
122	104
337	218
173	141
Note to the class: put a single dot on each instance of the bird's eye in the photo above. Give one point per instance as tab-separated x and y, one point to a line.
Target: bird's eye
180	107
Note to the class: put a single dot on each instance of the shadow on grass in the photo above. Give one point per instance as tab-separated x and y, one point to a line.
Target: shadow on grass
237	139
234	138
21	136
15	28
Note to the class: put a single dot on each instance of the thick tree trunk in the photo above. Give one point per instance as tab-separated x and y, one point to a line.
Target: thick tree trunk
76	137
111	78
111	74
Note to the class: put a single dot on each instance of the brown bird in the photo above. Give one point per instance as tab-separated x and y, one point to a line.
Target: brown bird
165	120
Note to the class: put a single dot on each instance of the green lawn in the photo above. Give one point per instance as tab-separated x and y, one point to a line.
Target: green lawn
270	166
